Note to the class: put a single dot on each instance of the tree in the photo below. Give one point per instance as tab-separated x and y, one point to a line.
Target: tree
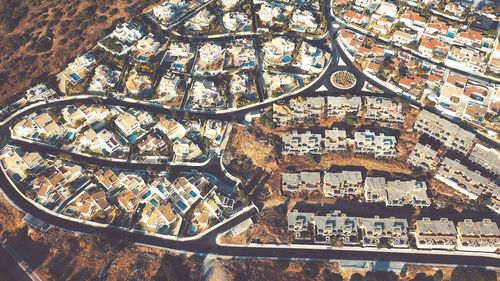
470	20
438	276
357	277
471	273
351	118
331	276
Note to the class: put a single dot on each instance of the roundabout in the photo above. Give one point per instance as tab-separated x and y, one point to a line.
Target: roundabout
343	80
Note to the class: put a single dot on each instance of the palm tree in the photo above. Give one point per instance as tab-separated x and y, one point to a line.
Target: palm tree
470	20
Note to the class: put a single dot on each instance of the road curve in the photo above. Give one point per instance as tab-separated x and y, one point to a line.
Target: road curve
205	245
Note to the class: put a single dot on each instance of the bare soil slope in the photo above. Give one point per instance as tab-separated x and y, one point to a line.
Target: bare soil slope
39	37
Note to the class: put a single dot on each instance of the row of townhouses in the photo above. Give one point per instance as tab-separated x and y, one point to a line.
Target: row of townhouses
366	142
394	193
472	175
336	228
376	108
481	236
448	133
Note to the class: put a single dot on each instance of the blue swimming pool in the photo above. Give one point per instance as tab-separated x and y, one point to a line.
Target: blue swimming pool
146	195
163	229
75	77
181	205
154	202
192	229
287	59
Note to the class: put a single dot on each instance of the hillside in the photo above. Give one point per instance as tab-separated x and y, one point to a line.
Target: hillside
38	38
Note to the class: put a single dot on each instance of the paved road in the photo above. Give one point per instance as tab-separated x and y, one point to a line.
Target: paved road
206	244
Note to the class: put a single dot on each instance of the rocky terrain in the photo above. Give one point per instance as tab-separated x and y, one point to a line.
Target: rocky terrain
38	38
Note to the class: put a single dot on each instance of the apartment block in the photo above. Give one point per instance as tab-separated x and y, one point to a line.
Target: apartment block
481	236
300	144
309	181
383	109
378	231
464	180
448	133
342	105
435	234
342	184
381	146
423	157
335	140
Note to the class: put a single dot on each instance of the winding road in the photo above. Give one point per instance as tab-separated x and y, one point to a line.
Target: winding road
207	243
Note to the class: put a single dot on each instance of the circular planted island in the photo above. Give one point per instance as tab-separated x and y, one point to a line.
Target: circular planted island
343	80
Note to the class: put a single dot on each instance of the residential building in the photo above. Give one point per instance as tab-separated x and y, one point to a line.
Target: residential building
105	79
308	181
299	144
450	134
167	12
139	84
330	228
312	59
210	59
183	194
127	200
375	189
466	58
423	157
355	17
342	105
335	140
122	38
410	192
179	55
237	22
71	79
345	183
310	107
146	49
169	88
431	47
387	9
383	109
481	236
102	142
435	234
278	51
381	146
454	9
241	54
131	121
304	21
87	205
200	22
391	232
413	20
186	150
464	180
381	24
206	96
171	128
403	38
487	157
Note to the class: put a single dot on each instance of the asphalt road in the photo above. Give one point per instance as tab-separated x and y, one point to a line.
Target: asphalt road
206	245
